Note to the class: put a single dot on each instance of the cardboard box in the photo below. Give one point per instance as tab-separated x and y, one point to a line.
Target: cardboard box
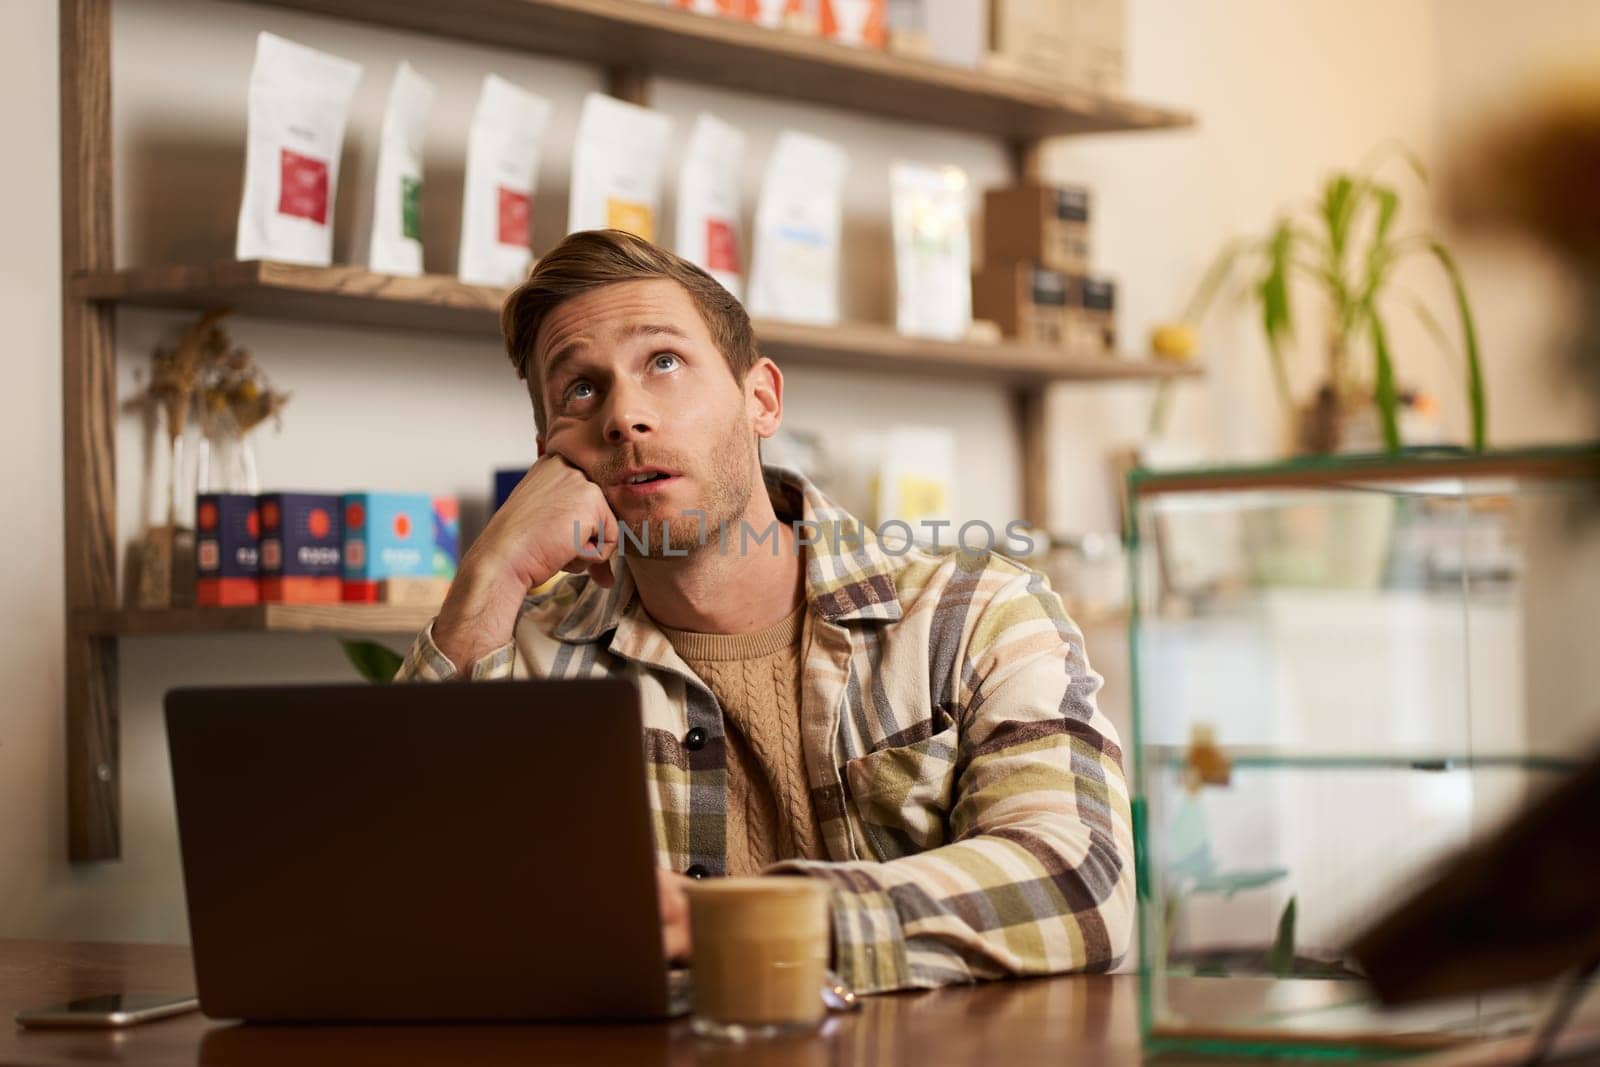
227	549
299	548
1029	37
1081	44
1035	223
1097	36
1028	302
386	535
413	592
1095	314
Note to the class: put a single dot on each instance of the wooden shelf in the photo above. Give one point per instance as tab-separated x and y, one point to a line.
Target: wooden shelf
633	42
351	295
657	40
261	618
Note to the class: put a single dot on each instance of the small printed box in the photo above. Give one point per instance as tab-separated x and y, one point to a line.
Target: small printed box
299	548
1097	298
505	481
386	535
1043	224
1028	303
413	592
227	549
446	536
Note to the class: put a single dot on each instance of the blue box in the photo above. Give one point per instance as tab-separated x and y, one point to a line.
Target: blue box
227	549
386	535
300	536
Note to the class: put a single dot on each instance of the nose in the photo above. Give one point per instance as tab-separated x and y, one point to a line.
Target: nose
629	414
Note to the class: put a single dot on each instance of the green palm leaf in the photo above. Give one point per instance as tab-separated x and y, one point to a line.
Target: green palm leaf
1477	402
375	662
1277	319
1384	394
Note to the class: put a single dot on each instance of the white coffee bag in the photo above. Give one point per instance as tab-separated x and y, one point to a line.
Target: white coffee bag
932	250
794	272
396	241
502	168
616	167
299	99
707	229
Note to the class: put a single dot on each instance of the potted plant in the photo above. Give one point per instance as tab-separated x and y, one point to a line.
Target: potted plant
1347	247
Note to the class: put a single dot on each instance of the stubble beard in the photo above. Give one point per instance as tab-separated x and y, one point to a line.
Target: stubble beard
726	486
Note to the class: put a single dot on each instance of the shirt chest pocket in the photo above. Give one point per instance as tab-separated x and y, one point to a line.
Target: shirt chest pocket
902	794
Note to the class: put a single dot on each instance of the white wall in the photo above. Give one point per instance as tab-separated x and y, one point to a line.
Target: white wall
32	645
1283	92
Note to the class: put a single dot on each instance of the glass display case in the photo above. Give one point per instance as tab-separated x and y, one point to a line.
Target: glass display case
1345	669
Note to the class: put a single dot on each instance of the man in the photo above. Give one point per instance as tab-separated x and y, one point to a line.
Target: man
916	728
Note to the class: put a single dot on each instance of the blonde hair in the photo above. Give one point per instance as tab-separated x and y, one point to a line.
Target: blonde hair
590	259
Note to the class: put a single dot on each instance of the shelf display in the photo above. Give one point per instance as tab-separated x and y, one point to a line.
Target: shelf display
227	550
707	232
299	99
1037	223
794	272
300	535
932	251
616	167
396	535
395	246
1377	663
502	170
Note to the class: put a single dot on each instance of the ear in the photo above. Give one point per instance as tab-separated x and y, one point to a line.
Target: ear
763	397
539	443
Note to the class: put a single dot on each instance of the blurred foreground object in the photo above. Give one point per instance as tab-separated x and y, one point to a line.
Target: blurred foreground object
1522	907
1538	171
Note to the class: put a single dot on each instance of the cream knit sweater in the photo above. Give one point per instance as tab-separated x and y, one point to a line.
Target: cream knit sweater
756	679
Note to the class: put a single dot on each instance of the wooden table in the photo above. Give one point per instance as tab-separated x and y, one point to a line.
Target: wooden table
1066	1020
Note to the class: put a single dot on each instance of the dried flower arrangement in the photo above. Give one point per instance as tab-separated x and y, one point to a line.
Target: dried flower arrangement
208	377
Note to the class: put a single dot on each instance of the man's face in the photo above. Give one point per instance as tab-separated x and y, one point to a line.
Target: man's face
637	395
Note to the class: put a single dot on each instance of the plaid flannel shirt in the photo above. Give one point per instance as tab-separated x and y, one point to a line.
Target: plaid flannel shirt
970	794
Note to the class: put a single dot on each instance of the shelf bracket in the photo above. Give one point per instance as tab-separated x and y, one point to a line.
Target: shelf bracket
1029	404
631	84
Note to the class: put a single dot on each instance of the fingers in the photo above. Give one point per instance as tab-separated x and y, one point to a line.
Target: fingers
600	574
596	536
674	903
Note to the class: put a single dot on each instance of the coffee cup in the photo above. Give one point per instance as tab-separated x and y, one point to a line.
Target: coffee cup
760	955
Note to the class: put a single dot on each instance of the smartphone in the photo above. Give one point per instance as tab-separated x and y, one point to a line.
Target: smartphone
111	1010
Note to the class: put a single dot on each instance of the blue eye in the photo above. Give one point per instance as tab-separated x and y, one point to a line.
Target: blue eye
575	391
665	361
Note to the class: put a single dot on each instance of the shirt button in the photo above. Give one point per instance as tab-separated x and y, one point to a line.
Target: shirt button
697	871
695	739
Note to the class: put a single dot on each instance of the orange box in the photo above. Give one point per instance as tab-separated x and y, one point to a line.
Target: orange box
862	23
796	16
727	8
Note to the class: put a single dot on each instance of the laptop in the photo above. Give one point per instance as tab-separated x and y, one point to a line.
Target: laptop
419	852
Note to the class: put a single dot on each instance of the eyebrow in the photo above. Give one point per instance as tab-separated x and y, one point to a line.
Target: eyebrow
642	329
